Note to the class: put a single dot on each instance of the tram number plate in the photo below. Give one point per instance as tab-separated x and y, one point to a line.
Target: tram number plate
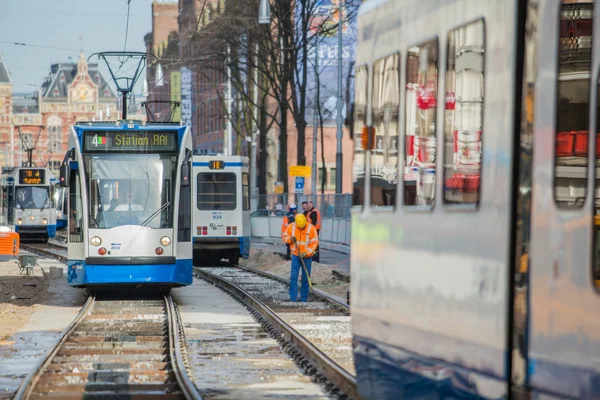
115	246
217	216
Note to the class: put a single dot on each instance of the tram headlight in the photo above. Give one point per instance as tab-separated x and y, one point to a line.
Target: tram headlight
59	214
44	221
20	221
96	241
165	240
32	218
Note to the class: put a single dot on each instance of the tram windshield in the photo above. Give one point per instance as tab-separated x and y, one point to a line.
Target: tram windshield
30	197
130	189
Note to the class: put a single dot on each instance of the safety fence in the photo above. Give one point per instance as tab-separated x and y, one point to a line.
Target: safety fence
335	218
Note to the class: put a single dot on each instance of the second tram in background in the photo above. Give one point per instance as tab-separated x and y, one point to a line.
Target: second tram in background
130	204
26	202
221	209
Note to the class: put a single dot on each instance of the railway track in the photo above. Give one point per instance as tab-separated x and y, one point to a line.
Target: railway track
50	249
119	349
316	333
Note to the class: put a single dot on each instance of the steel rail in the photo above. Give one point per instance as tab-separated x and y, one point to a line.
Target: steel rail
176	346
46	252
31	380
315	291
337	375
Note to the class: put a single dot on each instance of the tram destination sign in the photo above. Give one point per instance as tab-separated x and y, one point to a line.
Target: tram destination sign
31	176
130	141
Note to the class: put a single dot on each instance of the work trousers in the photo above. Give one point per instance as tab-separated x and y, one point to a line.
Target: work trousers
287	252
317	255
296	268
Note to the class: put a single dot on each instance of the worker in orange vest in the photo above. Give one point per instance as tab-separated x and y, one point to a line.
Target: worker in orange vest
288	219
314	217
302	237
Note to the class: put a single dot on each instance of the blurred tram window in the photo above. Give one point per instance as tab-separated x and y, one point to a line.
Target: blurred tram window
384	156
420	129
360	122
572	104
463	114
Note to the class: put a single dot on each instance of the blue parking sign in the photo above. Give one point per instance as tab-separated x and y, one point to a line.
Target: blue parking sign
299	184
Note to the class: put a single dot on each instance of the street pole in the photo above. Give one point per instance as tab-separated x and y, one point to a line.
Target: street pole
228	136
339	133
316	106
253	171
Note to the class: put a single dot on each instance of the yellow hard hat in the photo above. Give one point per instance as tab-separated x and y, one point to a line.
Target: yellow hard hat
301	221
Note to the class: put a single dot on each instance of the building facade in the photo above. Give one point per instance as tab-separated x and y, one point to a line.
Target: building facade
72	92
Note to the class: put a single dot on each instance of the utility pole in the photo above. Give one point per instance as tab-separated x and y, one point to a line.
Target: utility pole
253	161
228	136
339	133
316	107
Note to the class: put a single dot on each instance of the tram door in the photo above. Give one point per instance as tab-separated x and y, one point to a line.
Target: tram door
562	344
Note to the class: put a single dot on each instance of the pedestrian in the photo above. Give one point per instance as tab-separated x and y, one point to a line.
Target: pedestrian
305	208
302	237
314	217
292	209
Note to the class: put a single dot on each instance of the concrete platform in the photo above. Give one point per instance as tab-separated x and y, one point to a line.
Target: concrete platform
232	358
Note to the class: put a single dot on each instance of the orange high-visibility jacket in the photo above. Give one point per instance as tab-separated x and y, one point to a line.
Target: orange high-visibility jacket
284	224
306	239
316	223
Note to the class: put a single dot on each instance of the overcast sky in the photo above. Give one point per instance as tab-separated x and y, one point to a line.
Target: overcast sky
60	24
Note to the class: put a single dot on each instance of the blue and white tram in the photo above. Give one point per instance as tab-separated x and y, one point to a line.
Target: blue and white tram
221	215
129	204
26	202
475	252
61	204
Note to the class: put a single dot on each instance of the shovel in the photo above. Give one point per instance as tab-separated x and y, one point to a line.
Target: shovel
303	265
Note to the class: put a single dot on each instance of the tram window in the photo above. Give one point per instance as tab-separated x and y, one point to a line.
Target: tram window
360	121
245	192
75	209
420	130
384	155
216	191
572	103
463	114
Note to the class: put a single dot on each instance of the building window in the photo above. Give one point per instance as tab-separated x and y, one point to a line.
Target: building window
332	181
322	177
55	138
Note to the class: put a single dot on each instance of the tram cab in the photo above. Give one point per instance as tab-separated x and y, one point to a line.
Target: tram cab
129	204
26	202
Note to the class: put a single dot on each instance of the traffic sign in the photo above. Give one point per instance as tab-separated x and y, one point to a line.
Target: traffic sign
299	170
299	184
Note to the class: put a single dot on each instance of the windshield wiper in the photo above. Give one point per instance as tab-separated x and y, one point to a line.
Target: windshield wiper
155	213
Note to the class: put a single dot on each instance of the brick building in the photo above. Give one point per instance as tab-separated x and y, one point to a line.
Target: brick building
209	89
72	92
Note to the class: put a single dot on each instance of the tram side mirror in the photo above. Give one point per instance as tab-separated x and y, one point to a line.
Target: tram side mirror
185	175
65	175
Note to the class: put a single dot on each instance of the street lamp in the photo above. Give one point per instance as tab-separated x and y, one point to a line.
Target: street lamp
264	12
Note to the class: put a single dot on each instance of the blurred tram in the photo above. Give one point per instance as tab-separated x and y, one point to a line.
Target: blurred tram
475	234
221	215
129	204
26	202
